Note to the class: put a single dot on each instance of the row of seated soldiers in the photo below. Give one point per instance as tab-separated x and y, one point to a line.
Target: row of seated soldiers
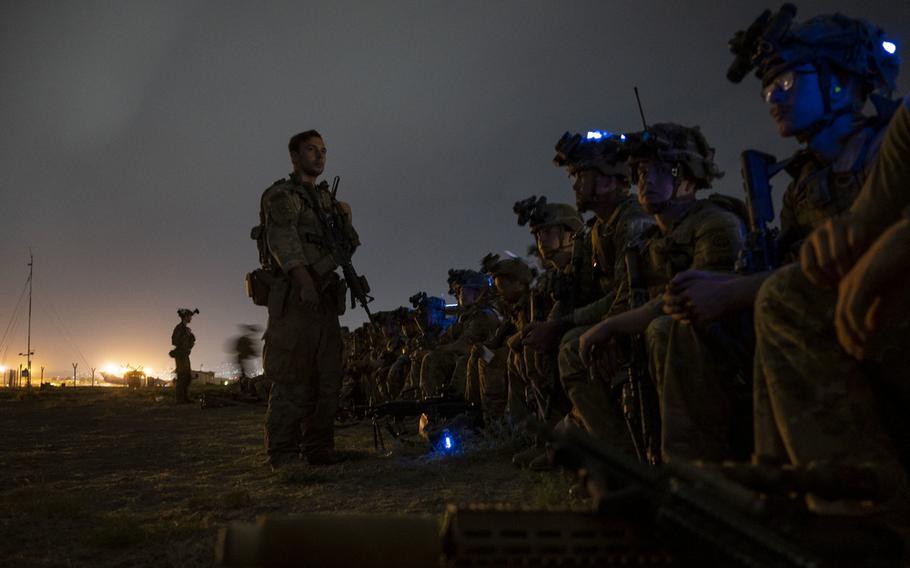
678	326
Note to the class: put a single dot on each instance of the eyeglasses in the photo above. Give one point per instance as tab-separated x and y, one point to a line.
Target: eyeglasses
784	81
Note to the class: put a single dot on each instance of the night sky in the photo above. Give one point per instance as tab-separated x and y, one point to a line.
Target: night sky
136	139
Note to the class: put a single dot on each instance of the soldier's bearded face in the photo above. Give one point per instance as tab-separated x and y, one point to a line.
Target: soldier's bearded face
796	100
655	183
310	157
584	184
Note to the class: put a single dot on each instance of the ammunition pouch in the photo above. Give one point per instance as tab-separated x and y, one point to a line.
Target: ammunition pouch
258	283
334	291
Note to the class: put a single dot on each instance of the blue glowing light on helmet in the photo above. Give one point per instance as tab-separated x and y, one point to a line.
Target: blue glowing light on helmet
889	46
597	135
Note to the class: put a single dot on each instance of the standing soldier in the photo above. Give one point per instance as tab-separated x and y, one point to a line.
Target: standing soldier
305	295
183	341
245	350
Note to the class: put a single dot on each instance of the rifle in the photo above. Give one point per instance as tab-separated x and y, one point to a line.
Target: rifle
342	250
760	251
640	404
677	514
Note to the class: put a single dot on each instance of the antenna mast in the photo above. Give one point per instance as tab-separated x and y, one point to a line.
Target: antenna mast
28	350
640	110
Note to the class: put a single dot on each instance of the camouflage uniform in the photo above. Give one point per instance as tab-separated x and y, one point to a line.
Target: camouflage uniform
814	402
446	366
302	353
696	368
487	383
183	340
592	400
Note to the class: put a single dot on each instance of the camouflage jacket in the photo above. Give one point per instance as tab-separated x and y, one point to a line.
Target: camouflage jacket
476	324
708	236
885	197
821	190
294	233
183	340
609	239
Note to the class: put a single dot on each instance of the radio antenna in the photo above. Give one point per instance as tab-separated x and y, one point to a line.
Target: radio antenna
641	111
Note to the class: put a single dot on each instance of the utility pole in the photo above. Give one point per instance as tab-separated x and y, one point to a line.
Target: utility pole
42	374
74	373
93	376
28	349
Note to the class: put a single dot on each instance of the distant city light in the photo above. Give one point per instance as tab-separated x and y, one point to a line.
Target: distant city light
889	46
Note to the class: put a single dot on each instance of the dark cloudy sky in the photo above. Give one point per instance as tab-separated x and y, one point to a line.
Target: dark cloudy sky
136	138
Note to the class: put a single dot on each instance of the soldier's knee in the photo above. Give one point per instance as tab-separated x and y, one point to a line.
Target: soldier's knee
770	299
657	334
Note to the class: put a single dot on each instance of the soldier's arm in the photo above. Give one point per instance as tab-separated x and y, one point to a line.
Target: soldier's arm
835	246
344	209
887	191
282	211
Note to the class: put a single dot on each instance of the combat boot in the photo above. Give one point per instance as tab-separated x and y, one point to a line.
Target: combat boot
524	458
542	462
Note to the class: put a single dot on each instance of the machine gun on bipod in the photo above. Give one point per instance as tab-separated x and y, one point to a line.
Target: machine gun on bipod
432	411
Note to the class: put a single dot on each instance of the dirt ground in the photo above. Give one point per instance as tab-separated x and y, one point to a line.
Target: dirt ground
112	477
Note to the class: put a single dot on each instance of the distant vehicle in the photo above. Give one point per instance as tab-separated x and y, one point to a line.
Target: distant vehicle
134	378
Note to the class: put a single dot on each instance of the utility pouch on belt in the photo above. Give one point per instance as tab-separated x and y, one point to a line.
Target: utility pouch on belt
258	283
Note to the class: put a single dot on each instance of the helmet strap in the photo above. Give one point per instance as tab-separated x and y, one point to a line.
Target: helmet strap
829	116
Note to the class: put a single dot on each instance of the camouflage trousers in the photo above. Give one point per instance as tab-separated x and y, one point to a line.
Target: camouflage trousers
444	368
702	376
592	401
815	403
183	379
485	381
302	358
534	378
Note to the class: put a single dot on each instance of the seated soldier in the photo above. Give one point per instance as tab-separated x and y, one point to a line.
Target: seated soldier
601	180
673	162
554	226
816	78
486	368
444	368
833	349
432	321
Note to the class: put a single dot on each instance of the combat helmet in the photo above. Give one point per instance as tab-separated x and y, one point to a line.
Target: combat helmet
467	278
513	268
538	214
183	312
596	150
775	43
683	146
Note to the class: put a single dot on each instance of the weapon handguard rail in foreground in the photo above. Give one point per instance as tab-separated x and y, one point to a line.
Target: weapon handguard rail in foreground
670	515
